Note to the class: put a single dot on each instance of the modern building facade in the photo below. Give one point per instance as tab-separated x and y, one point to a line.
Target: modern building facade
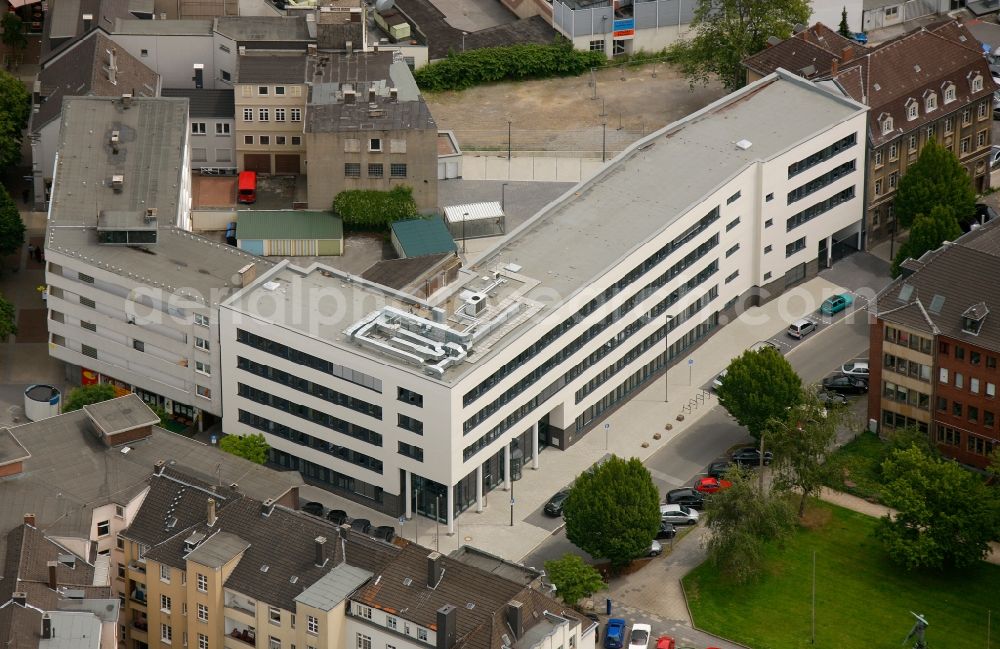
934	349
420	405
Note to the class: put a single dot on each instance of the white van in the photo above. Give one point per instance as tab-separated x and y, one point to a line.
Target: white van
800	328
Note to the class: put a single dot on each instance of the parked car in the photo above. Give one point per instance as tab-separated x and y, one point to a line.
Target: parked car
763	344
801	328
678	514
314	508
614	633
845	384
655	548
750	456
665	642
362	525
385	532
995	149
855	368
710	485
555	505
639	639
685	496
831	399
860	38
718	468
666	531
337	516
836	303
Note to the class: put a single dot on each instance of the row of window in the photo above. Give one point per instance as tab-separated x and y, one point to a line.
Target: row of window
264	114
958	409
375	170
201	128
554	333
896	420
902	394
409	423
906	339
974	443
820	182
265	91
375	145
975	358
900	365
411	451
823	154
309	414
391	622
279	140
975	385
794	247
308	360
819	208
309	387
298	437
930	102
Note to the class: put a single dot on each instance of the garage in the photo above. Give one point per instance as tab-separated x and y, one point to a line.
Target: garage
259	162
285	163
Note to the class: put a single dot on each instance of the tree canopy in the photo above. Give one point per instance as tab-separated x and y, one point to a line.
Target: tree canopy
936	178
374	209
15	107
88	394
249	447
613	511
844	29
8	320
13	31
759	386
927	233
946	516
728	31
11	225
573	578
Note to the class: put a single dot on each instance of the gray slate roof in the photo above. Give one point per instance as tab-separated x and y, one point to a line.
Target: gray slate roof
279	29
205	102
271	68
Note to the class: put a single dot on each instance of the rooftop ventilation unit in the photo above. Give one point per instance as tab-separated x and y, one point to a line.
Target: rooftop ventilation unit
115	140
118	182
349	96
127	100
744	144
475	304
150	215
394	94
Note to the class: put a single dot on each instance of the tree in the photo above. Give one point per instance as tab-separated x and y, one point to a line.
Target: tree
86	395
742	520
945	515
15	107
250	447
8	320
927	233
759	386
11	225
844	30
936	178
374	209
613	511
573	578
800	442
13	31
728	31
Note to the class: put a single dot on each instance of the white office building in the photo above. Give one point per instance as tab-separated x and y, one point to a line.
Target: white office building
420	406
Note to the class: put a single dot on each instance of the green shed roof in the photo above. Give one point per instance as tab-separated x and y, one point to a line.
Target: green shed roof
288	224
419	237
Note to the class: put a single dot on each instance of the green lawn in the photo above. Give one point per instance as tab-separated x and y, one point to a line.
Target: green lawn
856	466
862	600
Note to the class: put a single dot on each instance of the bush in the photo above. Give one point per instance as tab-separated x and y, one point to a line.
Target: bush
86	395
511	63
371	209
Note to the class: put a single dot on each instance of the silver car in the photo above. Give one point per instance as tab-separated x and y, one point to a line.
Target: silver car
678	514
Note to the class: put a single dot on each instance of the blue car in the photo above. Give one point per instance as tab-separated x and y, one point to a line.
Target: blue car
861	38
836	304
614	633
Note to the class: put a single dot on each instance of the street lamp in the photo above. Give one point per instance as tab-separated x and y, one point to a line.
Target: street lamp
503	191
463	40
511	497
465	217
666	358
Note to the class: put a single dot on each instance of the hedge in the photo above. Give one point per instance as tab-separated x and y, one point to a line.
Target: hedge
371	209
511	63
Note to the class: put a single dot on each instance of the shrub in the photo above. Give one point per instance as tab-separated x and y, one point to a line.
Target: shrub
371	209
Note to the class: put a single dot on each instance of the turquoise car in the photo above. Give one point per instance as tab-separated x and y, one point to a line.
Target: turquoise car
836	304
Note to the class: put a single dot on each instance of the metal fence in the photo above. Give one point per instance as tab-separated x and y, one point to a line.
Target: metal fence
590	141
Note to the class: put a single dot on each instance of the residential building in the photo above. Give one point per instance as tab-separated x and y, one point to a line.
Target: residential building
367	127
132	294
66	21
270	102
211	567
212	128
930	84
812	52
934	348
90	66
538	339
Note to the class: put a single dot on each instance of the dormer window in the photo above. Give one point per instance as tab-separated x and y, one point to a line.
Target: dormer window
949	93
886	124
912	112
930	101
976	82
973	318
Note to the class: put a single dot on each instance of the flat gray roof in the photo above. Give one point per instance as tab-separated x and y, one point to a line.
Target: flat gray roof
332	588
263	28
185	27
218	550
11	450
75	630
116	415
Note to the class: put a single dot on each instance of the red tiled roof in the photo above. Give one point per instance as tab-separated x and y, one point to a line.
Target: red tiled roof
818	46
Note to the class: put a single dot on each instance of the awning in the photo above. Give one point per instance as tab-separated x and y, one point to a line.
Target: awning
17	4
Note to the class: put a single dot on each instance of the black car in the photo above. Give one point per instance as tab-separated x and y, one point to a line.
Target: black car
685	496
718	469
845	384
362	525
337	516
314	508
385	532
750	456
555	505
666	531
831	399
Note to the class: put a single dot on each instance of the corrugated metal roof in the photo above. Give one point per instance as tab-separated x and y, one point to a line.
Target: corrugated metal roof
419	237
472	212
288	224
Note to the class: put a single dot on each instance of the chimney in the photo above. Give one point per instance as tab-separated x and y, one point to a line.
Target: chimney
847	54
47	631
834	66
88	20
446	627
266	508
247	274
394	94
349	46
158	467
20	598
311	49
349	96
115	140
52	565
434	569
127	100
320	551
29	519
515	618
211	512
371	95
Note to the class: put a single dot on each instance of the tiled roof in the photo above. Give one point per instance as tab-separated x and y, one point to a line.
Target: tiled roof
817	46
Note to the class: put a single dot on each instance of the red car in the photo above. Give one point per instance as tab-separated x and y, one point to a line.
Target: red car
665	642
710	485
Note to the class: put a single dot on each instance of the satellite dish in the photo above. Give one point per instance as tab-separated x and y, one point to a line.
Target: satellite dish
383	5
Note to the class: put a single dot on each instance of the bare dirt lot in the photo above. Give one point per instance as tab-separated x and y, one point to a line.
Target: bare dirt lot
561	114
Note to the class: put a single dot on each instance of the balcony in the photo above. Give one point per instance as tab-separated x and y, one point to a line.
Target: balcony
239	635
139	627
138	567
243	609
137	592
